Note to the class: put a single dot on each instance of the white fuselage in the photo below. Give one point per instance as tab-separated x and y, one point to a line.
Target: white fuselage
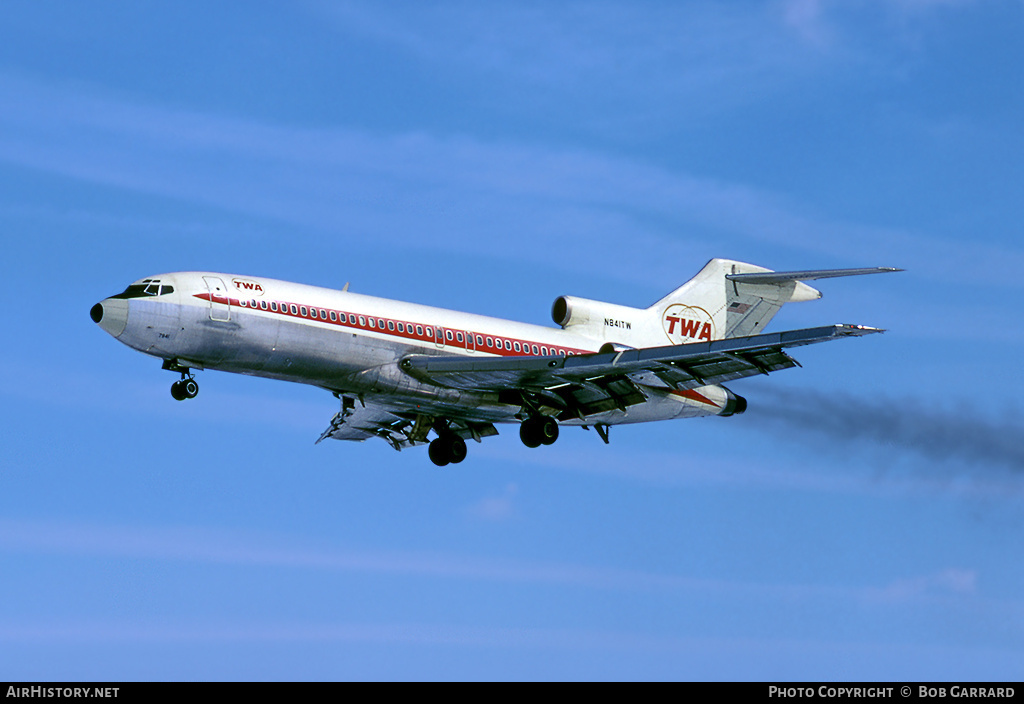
349	343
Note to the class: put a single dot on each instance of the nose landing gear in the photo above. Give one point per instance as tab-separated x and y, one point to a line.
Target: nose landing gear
187	386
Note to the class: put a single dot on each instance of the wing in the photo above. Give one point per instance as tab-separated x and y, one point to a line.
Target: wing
359	420
592	383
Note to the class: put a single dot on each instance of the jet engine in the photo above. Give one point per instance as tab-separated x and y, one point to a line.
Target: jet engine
734	405
570	311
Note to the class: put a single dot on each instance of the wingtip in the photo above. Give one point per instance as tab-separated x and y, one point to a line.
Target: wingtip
857	330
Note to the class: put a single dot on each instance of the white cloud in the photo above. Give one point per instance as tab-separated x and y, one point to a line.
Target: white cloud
448	190
496	508
952	581
806	18
198	545
663	50
205	546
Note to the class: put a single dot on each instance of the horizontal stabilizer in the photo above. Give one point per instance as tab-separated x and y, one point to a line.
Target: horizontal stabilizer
781	277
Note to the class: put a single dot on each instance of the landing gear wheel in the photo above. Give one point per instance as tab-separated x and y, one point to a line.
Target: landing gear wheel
529	433
438	452
184	388
548	430
541	430
447	449
178	391
456	449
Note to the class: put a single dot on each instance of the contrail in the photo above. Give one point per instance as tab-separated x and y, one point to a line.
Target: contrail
910	425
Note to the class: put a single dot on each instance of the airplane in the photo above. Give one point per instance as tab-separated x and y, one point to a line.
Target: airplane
402	371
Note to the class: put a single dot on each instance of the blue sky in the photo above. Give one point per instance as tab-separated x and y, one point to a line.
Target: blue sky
861	521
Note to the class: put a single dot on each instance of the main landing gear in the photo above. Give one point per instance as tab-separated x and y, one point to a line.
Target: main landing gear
538	430
447	448
187	386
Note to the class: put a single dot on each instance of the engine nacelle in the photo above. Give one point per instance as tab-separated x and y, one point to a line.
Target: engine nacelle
734	405
596	318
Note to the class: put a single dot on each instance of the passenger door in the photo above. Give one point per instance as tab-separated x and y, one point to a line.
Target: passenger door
220	304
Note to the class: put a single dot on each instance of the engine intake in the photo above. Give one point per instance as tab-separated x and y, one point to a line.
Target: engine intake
570	311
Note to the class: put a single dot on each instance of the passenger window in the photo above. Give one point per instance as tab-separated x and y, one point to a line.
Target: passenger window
323	314
448	334
362	320
458	336
380	323
508	345
490	342
544	351
334	317
430	332
535	350
479	341
372	323
351	318
419	330
516	345
273	306
391	325
295	309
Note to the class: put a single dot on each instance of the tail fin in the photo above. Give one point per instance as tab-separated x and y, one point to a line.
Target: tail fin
734	299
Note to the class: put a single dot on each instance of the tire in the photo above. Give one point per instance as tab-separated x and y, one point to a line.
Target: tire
438	452
548	430
178	392
190	388
529	433
456	449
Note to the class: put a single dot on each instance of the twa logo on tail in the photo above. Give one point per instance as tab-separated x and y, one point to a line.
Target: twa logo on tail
687	324
247	286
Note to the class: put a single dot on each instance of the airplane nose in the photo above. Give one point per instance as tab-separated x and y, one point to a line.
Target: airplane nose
111	314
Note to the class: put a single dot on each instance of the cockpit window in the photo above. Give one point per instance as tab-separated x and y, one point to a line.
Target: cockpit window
148	287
